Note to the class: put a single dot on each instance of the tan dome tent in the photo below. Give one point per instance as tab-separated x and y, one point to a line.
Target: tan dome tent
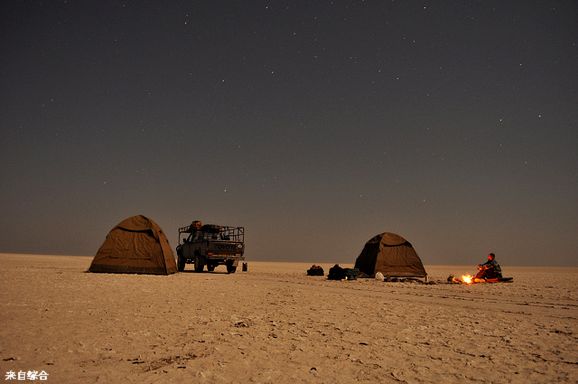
136	245
391	255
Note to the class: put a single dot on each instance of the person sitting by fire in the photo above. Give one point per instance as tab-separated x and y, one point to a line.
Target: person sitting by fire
490	269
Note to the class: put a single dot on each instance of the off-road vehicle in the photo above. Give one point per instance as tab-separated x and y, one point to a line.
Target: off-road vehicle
210	245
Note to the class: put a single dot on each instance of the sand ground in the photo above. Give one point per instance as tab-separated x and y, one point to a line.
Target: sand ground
273	324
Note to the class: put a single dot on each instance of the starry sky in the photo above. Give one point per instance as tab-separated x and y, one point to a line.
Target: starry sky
314	124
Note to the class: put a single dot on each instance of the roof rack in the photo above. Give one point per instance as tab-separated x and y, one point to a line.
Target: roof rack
225	232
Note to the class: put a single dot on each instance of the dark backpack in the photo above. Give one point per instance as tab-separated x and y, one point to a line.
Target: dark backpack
315	270
338	273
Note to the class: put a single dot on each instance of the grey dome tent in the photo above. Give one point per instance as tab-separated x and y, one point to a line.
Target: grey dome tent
391	255
136	245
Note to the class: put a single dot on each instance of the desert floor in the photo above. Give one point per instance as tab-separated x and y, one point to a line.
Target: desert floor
273	324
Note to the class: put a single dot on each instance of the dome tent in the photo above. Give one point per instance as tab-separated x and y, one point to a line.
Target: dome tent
390	254
135	245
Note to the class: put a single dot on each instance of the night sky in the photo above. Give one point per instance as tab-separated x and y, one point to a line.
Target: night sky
314	124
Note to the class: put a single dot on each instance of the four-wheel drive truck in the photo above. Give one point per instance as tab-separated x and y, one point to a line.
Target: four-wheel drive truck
210	245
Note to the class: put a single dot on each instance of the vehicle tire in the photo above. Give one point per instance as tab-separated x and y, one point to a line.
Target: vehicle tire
210	267
199	263
231	268
181	263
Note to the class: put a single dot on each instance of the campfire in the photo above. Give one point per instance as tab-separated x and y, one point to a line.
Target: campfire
464	279
467	279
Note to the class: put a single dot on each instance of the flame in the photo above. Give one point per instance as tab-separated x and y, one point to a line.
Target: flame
467	279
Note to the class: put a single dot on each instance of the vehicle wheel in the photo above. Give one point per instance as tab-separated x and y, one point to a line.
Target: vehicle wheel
231	268
199	263
210	267
181	263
